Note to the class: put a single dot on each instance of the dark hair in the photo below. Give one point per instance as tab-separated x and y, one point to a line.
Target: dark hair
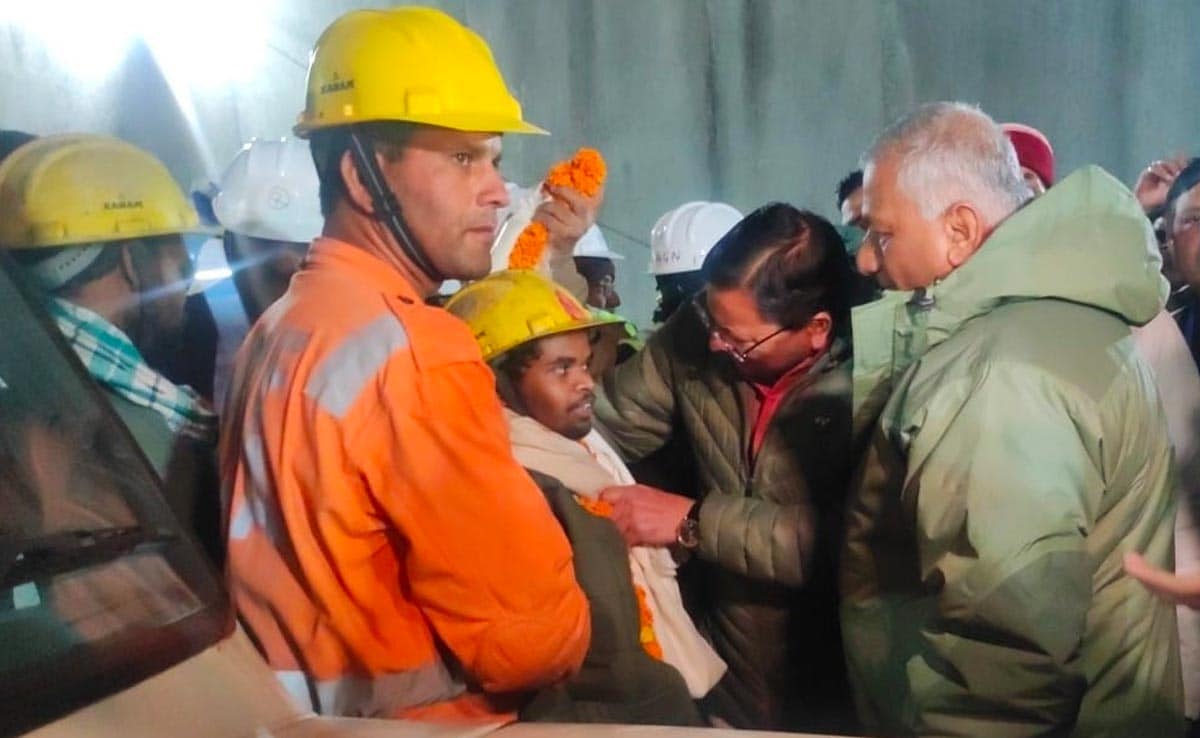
328	145
594	268
675	291
849	183
1187	179
791	260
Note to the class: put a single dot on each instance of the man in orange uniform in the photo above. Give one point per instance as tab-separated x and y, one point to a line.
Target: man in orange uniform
385	550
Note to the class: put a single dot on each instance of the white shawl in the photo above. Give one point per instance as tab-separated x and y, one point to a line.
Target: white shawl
586	467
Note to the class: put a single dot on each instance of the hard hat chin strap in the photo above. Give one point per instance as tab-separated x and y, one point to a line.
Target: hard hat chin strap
387	208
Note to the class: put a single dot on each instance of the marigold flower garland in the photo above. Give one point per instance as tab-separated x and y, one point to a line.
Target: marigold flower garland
646	635
585	173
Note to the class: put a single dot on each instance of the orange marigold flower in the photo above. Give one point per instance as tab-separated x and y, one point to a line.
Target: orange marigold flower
530	245
595	506
585	173
646	635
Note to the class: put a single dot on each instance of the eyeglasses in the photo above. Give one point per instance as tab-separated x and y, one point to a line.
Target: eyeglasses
741	356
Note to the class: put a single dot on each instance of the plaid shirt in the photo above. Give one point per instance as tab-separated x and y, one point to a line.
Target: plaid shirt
113	361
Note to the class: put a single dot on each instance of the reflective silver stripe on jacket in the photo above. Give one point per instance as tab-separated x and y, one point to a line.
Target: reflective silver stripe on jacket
343	374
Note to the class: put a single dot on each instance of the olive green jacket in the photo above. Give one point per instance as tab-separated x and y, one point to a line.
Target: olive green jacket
1020	452
762	586
618	682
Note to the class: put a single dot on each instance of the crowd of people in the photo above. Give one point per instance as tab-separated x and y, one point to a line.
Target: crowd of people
925	471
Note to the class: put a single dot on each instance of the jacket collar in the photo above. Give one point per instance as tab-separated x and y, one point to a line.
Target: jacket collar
797	375
331	255
1085	241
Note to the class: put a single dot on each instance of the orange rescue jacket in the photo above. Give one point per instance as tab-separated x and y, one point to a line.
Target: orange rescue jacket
377	518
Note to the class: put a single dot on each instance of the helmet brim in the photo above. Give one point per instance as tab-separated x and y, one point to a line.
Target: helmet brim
583	325
468	122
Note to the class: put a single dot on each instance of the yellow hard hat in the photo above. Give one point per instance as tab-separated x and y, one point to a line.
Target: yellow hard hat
417	65
509	308
84	189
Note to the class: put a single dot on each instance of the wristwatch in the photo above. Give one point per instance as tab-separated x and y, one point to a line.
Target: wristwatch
687	535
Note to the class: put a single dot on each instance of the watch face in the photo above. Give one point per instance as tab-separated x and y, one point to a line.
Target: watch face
689	533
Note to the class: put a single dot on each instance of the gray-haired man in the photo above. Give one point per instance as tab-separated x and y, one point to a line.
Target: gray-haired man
1022	452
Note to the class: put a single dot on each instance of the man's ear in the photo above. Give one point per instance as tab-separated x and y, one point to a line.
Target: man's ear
129	269
965	229
820	328
356	191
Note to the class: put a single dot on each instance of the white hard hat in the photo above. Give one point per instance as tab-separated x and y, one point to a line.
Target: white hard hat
682	237
592	244
270	191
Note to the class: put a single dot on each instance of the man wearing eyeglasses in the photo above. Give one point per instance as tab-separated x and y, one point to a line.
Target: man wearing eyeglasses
756	378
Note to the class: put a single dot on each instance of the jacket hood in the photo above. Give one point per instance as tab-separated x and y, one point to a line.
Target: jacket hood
1085	241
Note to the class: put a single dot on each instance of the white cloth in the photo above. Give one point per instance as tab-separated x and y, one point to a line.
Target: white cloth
1163	347
586	467
522	204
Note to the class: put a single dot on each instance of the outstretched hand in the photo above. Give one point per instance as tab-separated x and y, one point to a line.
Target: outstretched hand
1179	589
